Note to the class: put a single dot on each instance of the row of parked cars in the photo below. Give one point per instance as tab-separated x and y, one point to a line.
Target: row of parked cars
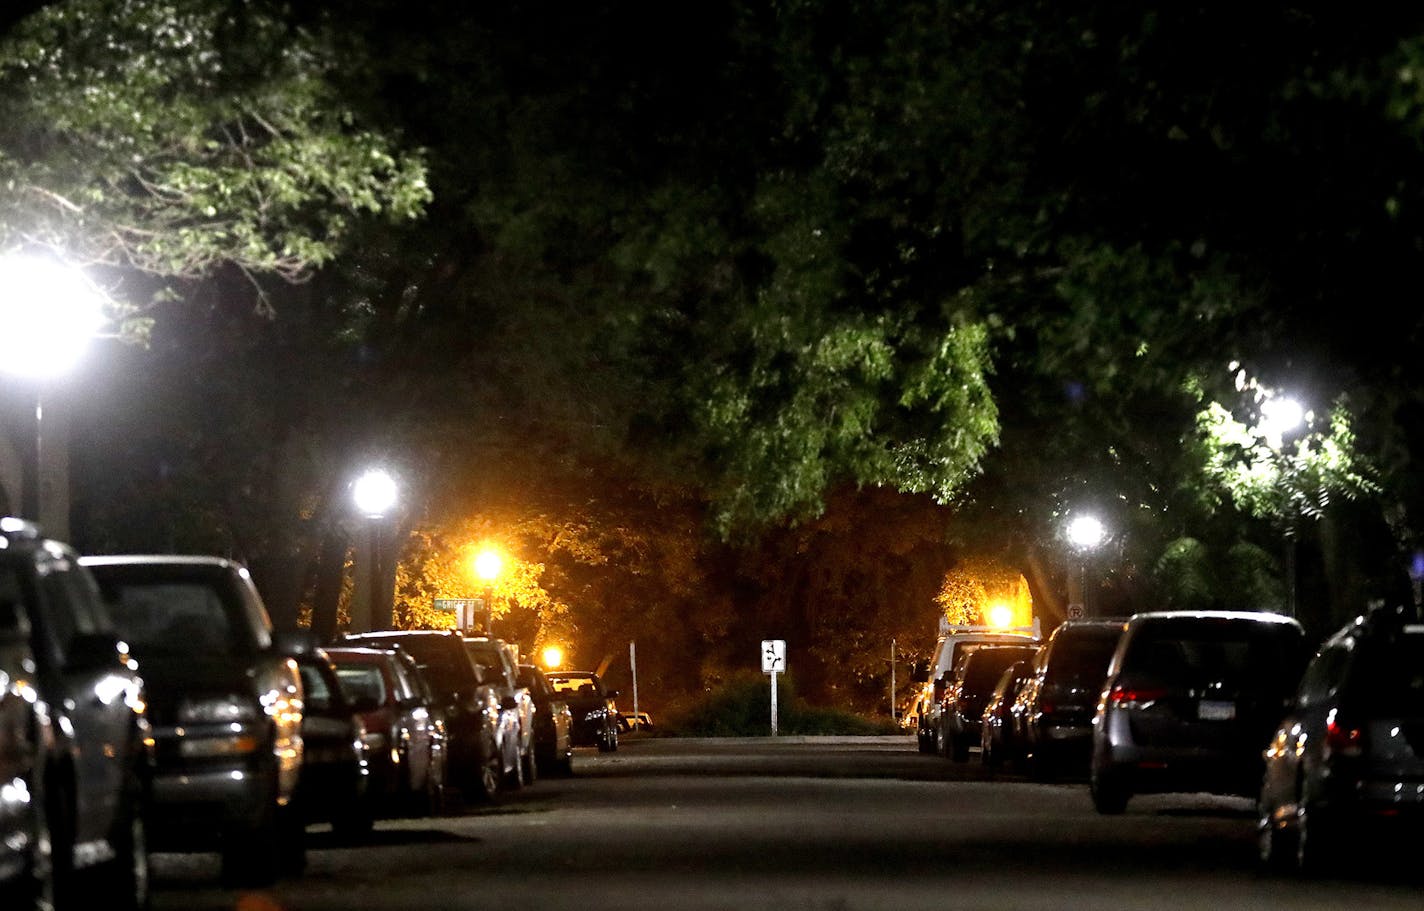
146	704
1331	747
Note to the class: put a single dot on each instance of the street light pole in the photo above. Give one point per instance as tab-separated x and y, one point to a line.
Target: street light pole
374	494
49	312
1086	533
487	567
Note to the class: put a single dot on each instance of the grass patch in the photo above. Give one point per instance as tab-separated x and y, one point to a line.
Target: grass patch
741	707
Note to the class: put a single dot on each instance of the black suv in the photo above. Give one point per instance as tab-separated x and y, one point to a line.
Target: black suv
74	734
470	704
595	714
969	688
1190	701
225	699
1346	764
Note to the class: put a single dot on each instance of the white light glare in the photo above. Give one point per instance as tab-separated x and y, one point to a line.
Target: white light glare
48	314
374	493
1086	532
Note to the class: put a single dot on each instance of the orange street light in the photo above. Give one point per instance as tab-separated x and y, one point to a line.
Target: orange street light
488	563
553	656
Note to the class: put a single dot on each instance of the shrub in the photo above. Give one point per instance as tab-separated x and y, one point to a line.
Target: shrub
741	707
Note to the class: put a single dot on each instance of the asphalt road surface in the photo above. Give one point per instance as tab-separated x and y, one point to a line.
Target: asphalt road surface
797	824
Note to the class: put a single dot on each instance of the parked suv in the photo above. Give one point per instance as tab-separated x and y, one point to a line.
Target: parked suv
468	701
75	761
1346	763
1190	701
1055	706
553	722
595	714
956	641
225	699
500	663
970	686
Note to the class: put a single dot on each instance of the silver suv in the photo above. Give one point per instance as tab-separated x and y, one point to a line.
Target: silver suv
1190	701
74	752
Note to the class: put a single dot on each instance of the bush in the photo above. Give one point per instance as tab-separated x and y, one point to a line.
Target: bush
741	707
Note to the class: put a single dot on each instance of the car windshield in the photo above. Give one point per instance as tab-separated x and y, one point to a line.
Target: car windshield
174	617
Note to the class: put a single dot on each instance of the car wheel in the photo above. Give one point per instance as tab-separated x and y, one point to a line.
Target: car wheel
126	876
1110	796
487	778
531	767
433	797
1275	844
34	887
988	758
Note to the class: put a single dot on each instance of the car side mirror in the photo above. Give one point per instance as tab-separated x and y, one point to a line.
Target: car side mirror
939	688
612	694
509	703
92	652
293	642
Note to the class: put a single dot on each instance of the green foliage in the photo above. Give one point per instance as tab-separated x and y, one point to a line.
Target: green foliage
1193	576
176	136
741	707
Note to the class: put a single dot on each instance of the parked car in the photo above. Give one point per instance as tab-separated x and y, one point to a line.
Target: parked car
1190	701
634	721
335	775
225	699
469	703
970	685
594	710
998	744
956	641
553	722
1346	764
1060	696
75	762
404	727
500	661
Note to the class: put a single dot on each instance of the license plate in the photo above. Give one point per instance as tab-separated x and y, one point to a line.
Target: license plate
1211	710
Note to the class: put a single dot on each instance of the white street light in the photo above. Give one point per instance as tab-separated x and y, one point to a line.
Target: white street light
1279	416
374	495
49	312
1086	533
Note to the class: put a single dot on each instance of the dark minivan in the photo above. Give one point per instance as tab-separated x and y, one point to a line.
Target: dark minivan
1190	701
1055	705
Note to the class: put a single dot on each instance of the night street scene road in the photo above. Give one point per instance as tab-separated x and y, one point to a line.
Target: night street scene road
905	453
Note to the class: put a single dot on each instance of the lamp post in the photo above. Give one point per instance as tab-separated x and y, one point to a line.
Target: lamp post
1085	533
487	567
1281	415
374	494
49	312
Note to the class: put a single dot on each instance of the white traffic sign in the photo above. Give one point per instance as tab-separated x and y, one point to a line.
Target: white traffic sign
773	656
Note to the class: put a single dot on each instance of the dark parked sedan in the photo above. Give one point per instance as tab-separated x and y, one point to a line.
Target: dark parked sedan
74	761
333	785
225	702
595	713
1190	701
997	741
969	687
553	722
1057	702
1346	765
470	704
403	726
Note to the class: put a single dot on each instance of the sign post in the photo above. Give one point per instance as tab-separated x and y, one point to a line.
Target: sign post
464	609
773	662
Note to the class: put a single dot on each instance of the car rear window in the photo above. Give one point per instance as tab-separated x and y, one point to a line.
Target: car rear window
446	669
987	666
1389	677
1194	651
1082	655
362	682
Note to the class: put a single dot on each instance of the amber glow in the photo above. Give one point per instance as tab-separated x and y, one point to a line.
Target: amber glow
488	564
1000	614
552	656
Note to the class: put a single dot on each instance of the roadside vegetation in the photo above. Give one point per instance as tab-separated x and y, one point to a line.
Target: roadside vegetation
741	707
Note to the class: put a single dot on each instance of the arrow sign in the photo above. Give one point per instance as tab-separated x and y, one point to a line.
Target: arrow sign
773	656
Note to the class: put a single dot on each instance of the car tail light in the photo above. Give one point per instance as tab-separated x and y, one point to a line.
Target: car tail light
1341	739
1047	706
1132	697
